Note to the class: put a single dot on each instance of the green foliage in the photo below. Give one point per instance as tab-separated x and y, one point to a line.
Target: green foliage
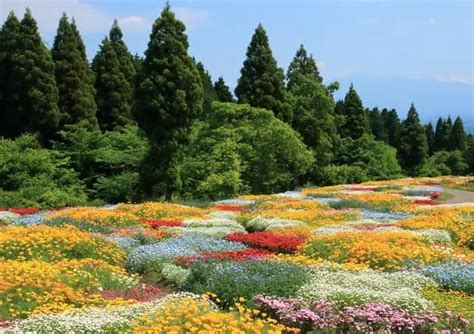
232	280
313	108
413	144
33	176
28	91
302	65
108	162
113	90
341	174
469	153
125	59
168	98
240	149
209	92
74	78
377	124
222	91
444	163
261	83
356	123
442	135
458	140
393	126
430	137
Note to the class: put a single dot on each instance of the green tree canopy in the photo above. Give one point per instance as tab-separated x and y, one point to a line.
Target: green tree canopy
240	149
28	91
124	56
261	83
458	140
393	126
222	91
208	89
356	123
113	91
413	144
430	137
74	77
442	135
168	98
377	124
302	64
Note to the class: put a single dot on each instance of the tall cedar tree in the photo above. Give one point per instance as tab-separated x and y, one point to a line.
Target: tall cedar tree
442	135
356	123
430	137
377	124
29	95
413	145
393	126
168	99
262	82
222	91
124	56
458	140
74	77
302	64
209	92
113	90
312	107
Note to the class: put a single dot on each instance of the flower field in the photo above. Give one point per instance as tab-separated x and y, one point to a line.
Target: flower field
378	257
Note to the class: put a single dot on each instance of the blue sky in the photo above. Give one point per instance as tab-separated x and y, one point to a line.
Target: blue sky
395	52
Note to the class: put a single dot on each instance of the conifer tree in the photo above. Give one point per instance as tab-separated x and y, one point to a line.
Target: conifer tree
10	37
356	123
262	82
222	91
377	124
430	137
169	98
393	126
74	77
302	64
442	135
124	56
458	140
209	92
413	145
113	91
31	95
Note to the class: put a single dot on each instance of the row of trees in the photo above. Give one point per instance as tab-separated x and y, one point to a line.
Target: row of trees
76	108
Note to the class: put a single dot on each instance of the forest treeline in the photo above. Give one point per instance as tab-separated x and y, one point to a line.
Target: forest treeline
127	128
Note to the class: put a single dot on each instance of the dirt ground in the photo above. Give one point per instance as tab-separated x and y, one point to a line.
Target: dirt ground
459	196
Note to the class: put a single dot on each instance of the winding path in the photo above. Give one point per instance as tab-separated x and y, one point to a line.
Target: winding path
459	196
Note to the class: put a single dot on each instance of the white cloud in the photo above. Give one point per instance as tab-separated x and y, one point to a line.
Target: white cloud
433	20
468	78
192	18
134	23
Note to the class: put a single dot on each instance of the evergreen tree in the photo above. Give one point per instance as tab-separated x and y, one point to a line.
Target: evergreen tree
442	135
137	62
356	123
313	110
413	145
124	57
377	124
168	99
222	91
262	82
209	92
430	137
302	64
393	126
469	153
74	77
30	85
10	77
458	140
113	91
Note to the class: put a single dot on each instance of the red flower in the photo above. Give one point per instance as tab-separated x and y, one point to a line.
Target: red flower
234	208
21	211
273	242
157	223
371	227
238	255
435	194
425	202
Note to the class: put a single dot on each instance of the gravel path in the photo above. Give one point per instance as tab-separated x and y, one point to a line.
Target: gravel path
459	196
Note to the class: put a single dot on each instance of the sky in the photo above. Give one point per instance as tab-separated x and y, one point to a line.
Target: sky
394	52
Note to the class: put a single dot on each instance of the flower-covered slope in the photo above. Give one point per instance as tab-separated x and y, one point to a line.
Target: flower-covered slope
379	257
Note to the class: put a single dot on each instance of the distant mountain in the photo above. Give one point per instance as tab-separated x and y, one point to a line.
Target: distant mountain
432	98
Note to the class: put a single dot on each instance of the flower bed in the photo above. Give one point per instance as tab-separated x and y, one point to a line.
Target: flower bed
273	242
